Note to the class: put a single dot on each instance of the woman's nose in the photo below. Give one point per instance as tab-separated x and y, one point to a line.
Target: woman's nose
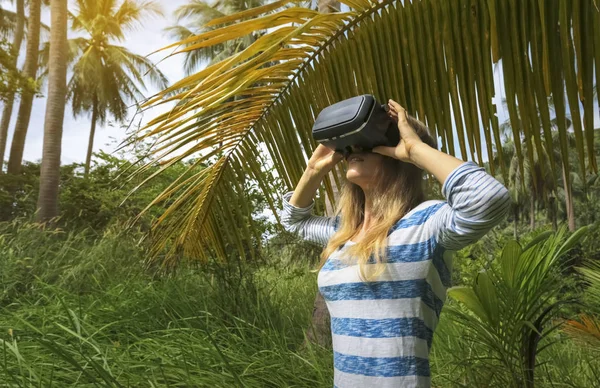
355	149
358	149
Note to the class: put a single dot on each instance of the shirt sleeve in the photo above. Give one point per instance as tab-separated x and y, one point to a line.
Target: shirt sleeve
308	226
476	202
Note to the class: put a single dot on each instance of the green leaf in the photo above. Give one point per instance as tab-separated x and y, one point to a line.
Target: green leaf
574	239
468	297
538	239
488	298
509	262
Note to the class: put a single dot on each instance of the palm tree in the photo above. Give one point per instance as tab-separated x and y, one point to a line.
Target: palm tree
107	78
567	178
29	70
513	305
47	203
197	14
316	64
10	99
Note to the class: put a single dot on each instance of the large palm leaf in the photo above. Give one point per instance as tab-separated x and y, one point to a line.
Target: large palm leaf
196	14
434	57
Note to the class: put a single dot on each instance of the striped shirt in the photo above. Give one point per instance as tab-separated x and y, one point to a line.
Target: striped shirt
382	330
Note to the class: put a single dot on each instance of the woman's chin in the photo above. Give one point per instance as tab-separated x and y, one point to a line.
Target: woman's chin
356	177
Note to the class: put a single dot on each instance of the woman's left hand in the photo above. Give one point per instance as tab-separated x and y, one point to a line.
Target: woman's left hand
408	136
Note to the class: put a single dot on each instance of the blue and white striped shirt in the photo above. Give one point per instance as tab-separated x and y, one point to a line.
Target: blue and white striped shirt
382	330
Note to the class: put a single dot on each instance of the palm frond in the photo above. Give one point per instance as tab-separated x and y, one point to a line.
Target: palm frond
199	10
585	330
201	16
110	18
8	22
194	59
138	66
132	13
433	57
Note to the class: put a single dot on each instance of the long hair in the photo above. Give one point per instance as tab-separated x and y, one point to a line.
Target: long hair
398	188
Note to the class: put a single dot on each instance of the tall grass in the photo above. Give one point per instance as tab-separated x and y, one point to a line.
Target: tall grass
80	310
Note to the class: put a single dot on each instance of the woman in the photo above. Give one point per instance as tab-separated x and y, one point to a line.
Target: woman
384	270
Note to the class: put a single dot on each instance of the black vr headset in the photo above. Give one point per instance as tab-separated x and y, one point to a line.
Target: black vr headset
358	121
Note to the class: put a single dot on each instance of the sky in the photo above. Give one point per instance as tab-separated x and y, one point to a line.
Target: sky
144	41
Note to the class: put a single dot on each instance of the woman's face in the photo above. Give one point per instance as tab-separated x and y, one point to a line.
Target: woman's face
363	166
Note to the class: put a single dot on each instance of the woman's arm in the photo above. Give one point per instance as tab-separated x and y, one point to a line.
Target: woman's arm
297	205
476	201
412	149
309	227
307	187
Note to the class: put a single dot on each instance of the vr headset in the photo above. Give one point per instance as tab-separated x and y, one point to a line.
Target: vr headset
358	121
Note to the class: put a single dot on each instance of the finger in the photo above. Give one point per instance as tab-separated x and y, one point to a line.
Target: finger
324	149
334	158
397	107
392	108
386	151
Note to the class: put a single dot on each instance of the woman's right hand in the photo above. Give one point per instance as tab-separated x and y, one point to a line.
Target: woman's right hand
324	159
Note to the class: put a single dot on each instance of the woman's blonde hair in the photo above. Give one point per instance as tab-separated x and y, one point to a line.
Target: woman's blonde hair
398	189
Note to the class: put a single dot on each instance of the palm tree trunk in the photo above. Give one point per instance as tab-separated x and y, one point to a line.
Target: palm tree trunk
568	200
29	70
88	157
552	212
55	111
10	100
515	221
532	214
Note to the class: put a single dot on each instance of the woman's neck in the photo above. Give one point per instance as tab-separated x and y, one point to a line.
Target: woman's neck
366	223
367	214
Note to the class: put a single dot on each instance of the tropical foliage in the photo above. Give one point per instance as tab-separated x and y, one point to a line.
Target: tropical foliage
435	57
195	15
512	305
80	308
11	79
